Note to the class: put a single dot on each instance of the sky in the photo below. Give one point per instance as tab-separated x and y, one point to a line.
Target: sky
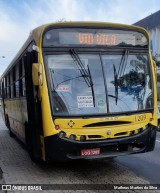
19	17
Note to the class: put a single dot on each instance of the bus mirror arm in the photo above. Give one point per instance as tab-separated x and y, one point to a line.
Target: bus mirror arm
37	74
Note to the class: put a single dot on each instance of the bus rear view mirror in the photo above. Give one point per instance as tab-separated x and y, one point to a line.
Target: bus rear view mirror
37	74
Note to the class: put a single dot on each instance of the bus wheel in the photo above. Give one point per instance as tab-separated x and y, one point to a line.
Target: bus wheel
11	134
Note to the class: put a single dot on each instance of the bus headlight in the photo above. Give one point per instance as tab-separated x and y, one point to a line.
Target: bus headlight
82	138
72	137
62	134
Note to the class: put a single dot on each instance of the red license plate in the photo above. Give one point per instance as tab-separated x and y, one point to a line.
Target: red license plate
89	152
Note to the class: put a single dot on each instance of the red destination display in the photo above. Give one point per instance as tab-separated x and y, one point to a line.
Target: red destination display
98	39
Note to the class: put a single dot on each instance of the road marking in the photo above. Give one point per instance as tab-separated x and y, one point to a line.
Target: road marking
158	141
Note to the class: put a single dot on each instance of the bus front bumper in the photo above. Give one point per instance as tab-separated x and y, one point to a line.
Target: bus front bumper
62	149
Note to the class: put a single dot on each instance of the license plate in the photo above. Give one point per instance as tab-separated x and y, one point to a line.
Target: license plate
90	152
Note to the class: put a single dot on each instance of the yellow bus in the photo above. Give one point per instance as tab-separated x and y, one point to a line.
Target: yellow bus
82	90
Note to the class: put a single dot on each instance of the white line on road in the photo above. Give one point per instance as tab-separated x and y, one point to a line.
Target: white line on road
158	141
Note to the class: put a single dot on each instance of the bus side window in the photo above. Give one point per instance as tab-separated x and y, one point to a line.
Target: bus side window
5	87
20	77
17	80
0	90
12	78
8	86
23	79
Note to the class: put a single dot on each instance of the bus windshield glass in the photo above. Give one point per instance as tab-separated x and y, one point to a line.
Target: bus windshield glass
99	84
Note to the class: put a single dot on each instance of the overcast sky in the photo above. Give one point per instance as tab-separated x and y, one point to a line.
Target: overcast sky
19	17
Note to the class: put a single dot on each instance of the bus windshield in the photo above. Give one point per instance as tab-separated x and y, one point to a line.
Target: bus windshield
116	83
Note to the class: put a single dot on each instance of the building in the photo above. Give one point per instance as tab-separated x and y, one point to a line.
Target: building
152	24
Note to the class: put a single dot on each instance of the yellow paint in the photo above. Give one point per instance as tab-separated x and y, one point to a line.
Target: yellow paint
80	129
155	113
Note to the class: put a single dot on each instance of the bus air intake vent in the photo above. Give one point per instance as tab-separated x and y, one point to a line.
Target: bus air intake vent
121	133
110	123
94	136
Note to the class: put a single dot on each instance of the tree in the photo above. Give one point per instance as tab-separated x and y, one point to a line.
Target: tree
155	58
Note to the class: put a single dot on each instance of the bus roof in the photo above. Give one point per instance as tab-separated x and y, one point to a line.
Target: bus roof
36	34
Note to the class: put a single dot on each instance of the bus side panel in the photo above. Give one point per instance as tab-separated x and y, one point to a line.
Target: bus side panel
2	102
2	110
16	110
33	127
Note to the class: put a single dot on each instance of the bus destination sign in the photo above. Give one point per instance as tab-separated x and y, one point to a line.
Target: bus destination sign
93	37
96	39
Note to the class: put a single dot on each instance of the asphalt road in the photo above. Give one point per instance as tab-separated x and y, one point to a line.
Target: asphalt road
16	167
146	165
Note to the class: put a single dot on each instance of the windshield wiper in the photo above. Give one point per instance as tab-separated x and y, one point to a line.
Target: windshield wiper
115	83
81	67
123	64
120	74
84	73
92	89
